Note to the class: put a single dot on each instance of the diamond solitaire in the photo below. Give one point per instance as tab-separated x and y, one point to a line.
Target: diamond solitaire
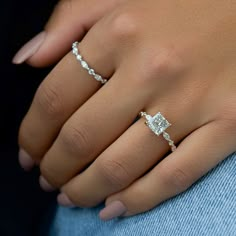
158	124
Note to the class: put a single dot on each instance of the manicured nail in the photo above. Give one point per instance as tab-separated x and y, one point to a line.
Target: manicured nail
29	49
112	210
26	162
63	200
45	185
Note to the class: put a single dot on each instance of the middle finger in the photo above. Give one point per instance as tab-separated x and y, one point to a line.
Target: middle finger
91	129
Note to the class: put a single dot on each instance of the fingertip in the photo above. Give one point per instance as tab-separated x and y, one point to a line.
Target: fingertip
112	210
64	200
54	48
29	49
25	160
45	185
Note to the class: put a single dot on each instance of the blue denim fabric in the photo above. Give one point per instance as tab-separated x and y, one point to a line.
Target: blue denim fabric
208	208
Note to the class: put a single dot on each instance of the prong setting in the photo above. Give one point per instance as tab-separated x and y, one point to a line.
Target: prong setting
158	124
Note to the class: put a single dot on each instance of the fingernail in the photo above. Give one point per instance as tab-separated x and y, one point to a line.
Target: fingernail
26	162
29	49
63	200
45	185
112	210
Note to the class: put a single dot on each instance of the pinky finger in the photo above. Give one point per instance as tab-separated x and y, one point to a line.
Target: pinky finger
196	155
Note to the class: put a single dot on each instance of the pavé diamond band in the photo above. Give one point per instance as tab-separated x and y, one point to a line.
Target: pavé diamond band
158	124
85	65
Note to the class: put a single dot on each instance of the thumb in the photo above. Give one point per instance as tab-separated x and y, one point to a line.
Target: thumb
68	23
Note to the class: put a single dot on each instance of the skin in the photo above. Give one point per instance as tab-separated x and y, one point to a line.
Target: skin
80	16
177	57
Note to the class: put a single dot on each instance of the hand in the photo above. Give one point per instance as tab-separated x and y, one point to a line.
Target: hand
70	21
176	57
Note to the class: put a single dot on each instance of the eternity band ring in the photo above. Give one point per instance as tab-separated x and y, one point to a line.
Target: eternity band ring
85	65
158	124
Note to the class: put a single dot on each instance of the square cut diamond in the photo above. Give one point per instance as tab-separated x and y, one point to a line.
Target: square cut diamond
158	124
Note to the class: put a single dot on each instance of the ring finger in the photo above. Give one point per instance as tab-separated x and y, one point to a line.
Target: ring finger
135	152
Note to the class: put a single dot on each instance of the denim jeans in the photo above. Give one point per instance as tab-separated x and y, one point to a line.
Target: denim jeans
208	208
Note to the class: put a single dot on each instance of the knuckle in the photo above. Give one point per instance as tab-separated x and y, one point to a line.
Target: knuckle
25	140
76	140
49	100
178	179
181	180
161	64
164	63
123	27
114	173
64	6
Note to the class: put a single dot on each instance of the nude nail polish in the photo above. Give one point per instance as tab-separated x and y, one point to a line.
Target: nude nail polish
63	200
29	49
112	210
26	162
45	185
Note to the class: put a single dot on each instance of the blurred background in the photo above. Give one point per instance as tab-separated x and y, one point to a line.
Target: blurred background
24	206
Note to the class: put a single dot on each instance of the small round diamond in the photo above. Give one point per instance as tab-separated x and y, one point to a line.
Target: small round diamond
103	81
75	51
91	71
171	143
74	44
79	57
